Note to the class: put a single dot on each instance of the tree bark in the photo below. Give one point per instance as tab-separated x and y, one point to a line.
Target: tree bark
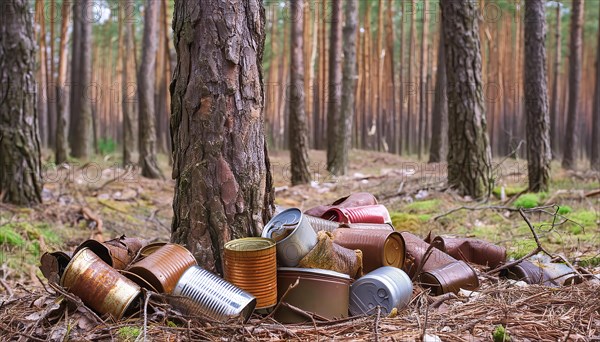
570	145
146	81
297	125
335	83
80	126
129	92
224	187
344	127
469	157
42	101
595	157
539	153
554	107
20	167
52	95
62	95
423	81
438	151
410	81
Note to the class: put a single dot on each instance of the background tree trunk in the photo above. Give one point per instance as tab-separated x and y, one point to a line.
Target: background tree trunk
438	151
221	166
42	78
80	126
129	93
52	95
335	92
570	147
423	81
555	96
469	157
62	94
349	77
595	157
20	167
539	153
146	83
297	125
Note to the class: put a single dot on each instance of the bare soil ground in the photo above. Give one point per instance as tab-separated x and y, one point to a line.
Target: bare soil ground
96	199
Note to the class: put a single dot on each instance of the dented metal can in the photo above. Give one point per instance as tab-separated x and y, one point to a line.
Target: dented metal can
294	235
387	287
163	268
379	247
450	278
199	292
472	250
117	253
367	214
100	286
251	264
320	224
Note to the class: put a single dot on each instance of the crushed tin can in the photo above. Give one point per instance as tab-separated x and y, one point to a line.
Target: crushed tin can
162	268
294	235
450	278
325	293
387	287
320	224
379	247
199	292
530	273
472	250
117	253
367	214
415	252
251	264
100	286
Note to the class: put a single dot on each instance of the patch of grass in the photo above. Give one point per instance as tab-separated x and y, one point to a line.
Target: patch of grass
106	146
422	206
129	333
21	242
500	334
565	209
171	324
590	262
586	218
8	236
407	222
527	201
521	247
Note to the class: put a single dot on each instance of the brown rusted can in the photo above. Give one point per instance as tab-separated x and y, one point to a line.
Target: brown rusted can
472	250
415	253
450	278
251	265
117	253
357	199
379	247
163	268
367	214
99	286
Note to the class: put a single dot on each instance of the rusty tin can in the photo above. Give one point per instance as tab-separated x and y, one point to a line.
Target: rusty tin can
357	199
472	250
295	235
199	292
100	286
450	278
415	253
379	247
54	264
251	264
368	214
163	268
387	287
117	253
325	293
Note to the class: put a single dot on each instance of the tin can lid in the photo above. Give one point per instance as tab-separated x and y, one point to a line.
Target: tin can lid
284	220
394	250
250	244
315	271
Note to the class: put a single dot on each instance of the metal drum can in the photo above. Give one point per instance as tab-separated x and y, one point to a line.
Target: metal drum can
251	264
294	235
450	278
99	286
368	214
164	267
199	292
379	247
322	292
387	287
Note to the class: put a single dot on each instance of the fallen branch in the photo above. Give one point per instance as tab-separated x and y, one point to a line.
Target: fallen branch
6	287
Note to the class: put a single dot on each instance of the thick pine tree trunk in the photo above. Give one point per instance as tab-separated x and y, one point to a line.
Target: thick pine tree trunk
335	89
129	94
344	127
554	107
438	151
595	157
20	167
146	85
62	94
221	166
570	145
539	153
469	157
297	125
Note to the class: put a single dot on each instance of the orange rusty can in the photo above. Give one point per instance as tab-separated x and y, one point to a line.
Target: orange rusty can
251	265
100	286
163	268
379	247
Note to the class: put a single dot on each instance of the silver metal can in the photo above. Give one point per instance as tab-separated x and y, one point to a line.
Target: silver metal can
387	287
199	292
294	235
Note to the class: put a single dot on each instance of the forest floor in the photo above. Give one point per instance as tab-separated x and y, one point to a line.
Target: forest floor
84	200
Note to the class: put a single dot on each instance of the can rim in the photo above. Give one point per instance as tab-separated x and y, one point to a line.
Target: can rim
317	271
250	244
